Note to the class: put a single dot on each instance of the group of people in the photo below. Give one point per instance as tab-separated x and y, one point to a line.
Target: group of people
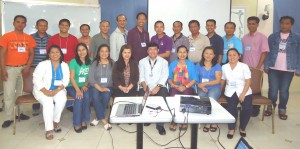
92	69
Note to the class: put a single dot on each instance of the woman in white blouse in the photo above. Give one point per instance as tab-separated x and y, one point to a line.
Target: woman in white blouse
49	81
237	77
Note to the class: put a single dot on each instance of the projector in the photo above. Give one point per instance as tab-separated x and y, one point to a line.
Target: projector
195	105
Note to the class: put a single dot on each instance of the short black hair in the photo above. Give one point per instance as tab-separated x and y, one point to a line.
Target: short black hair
64	20
82	25
60	51
141	13
178	22
40	20
255	18
230	23
120	16
152	44
104	21
159	21
194	21
287	18
20	16
212	20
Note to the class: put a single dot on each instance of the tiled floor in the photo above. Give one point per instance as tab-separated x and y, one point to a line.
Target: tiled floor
30	134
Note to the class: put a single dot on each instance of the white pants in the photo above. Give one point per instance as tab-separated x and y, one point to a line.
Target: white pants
52	108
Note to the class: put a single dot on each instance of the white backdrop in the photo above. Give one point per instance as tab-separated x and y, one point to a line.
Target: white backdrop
77	14
169	11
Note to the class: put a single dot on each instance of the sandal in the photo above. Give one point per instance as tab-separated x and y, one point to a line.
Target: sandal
213	129
183	127
282	116
95	122
205	129
268	113
173	126
57	128
107	126
49	135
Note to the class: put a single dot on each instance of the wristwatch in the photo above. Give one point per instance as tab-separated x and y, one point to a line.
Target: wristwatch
186	86
159	85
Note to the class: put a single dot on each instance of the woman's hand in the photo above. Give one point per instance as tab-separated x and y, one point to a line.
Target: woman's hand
47	92
181	88
201	85
104	89
204	89
84	89
242	97
79	94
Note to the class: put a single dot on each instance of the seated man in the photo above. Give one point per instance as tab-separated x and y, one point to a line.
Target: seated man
154	74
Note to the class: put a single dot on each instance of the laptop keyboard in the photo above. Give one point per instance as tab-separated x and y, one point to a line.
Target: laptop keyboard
131	109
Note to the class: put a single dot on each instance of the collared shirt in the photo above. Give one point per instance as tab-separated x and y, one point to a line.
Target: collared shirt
157	75
253	46
165	43
233	42
181	40
138	40
196	47
236	78
208	75
217	43
97	40
40	52
117	40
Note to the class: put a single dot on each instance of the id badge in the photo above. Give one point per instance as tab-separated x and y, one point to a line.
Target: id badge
161	43
205	80
225	51
81	79
230	45
64	50
282	46
248	48
43	51
173	50
21	49
232	83
57	82
143	44
103	80
192	49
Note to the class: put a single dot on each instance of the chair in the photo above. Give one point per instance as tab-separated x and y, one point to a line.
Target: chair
26	98
257	98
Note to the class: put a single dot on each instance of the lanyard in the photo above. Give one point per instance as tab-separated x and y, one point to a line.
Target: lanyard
23	39
152	66
140	36
66	42
125	37
58	70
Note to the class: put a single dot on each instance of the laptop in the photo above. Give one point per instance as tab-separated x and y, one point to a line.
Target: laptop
132	109
242	144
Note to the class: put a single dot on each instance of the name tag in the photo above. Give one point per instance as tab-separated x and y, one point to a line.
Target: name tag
21	49
225	51
57	82
247	48
64	50
161	43
230	45
173	50
143	44
103	80
81	79
205	80
43	51
192	49
282	46
232	83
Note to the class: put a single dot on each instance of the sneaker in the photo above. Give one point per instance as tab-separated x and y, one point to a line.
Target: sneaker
35	112
95	122
23	117
7	123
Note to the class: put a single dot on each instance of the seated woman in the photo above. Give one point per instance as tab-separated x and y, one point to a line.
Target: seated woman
49	81
209	72
125	73
182	77
237	77
100	79
78	87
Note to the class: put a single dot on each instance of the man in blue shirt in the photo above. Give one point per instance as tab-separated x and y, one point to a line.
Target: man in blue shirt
230	40
216	40
41	38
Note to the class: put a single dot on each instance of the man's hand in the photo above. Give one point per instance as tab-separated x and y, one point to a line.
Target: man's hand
4	75
155	90
25	71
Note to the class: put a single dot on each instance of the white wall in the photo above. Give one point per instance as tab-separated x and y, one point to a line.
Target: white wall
265	26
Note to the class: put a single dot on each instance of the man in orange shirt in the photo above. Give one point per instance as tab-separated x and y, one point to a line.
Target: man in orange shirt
16	57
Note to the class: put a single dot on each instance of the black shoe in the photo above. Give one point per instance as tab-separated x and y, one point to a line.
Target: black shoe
70	108
83	127
243	134
79	130
255	112
146	124
7	123
161	130
23	117
1	110
229	136
35	112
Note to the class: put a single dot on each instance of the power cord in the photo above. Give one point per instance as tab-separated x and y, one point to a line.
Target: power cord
219	136
112	140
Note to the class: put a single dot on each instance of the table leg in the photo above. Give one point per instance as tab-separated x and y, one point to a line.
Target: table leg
194	136
139	136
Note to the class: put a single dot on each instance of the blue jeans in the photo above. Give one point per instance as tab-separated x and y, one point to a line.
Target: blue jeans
246	110
100	102
81	111
279	81
214	93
